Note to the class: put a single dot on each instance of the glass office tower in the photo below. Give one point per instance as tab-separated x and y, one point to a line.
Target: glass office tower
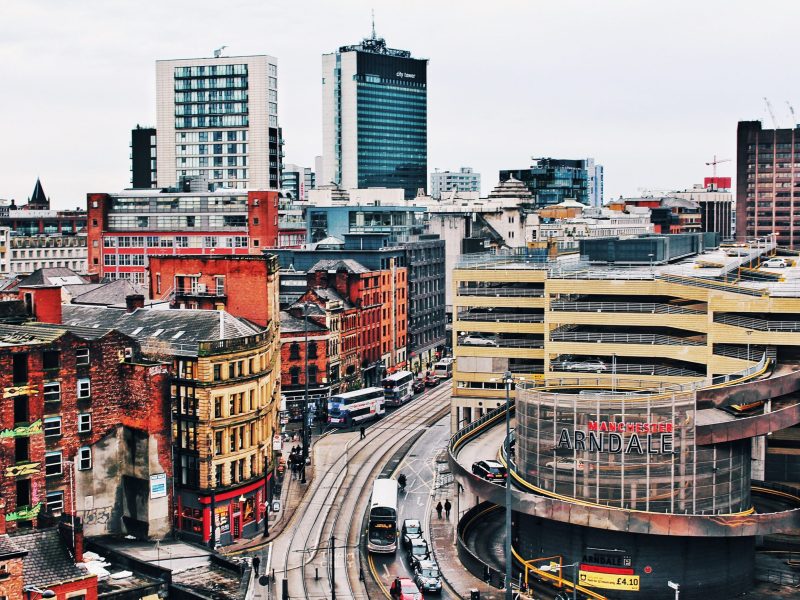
375	118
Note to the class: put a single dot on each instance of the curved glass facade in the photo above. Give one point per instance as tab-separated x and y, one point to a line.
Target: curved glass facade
632	452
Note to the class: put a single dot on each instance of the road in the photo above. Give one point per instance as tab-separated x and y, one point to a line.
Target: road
419	466
335	503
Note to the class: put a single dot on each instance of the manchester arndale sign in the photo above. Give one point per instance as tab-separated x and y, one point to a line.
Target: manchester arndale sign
619	437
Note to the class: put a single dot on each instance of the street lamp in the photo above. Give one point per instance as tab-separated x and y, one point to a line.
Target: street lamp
305	399
749	333
32	589
508	379
548	568
676	587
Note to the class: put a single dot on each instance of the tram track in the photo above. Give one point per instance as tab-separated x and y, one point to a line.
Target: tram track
344	484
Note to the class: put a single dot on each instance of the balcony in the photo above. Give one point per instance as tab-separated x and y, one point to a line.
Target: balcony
200	291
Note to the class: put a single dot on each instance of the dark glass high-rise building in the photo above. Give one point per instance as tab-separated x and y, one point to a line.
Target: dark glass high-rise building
375	117
553	180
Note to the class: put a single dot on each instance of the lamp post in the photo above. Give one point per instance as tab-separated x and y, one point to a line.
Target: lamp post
548	568
676	587
305	399
749	333
507	378
32	589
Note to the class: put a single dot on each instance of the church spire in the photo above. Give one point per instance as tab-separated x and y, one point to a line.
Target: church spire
38	199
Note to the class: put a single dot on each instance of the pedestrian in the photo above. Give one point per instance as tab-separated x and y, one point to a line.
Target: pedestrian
363	432
256	563
447	507
439	509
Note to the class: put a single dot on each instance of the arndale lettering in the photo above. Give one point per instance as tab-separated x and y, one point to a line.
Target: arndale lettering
620	437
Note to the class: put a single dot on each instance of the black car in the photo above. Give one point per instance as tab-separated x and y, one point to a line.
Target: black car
412	529
418	386
417	550
490	470
427	576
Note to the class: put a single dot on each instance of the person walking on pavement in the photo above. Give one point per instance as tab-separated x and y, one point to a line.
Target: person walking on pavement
439	509
256	563
363	432
447	507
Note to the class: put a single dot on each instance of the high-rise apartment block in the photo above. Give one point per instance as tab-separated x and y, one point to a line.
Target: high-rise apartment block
594	184
374	117
219	117
766	180
463	180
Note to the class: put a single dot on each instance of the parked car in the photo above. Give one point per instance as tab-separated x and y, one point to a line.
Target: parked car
412	529
586	365
490	470
418	386
403	588
476	340
776	263
565	464
427	577
431	380
417	550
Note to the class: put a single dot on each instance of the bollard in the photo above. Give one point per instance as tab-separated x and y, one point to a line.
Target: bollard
316	573
285	591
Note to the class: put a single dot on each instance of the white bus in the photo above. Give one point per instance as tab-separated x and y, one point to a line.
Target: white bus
444	368
397	388
382	531
351	408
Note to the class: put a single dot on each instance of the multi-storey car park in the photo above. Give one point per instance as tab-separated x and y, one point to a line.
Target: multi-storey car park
656	411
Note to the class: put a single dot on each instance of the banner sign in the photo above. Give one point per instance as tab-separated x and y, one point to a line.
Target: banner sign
158	485
23	430
25	514
608	581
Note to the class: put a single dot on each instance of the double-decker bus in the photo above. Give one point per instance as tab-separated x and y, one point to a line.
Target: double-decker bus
352	408
397	388
444	368
382	531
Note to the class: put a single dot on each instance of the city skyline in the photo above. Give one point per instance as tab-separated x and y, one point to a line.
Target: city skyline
652	108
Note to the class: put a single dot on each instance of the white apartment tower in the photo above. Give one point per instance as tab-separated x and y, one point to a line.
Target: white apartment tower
218	117
463	180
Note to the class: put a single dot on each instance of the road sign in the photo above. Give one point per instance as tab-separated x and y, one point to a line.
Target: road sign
673	585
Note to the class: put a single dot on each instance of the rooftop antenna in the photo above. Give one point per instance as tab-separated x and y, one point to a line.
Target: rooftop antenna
218	51
373	24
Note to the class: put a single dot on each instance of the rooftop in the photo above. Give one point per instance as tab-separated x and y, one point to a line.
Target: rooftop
48	561
177	330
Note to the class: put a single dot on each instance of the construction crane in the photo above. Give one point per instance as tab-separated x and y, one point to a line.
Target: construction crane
218	51
791	110
771	113
716	161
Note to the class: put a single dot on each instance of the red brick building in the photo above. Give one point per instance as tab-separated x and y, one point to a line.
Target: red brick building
84	426
309	337
244	286
126	229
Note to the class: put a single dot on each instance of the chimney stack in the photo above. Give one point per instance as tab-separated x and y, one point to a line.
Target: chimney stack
134	301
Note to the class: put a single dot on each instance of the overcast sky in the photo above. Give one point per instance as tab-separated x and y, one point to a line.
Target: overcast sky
651	89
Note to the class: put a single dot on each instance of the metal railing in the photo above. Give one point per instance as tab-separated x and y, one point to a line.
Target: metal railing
757	324
712	285
499	317
502	292
206	291
624	369
538	368
506	343
623	338
737	352
624	307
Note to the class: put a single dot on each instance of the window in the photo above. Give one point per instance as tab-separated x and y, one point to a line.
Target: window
52	464
217	372
294	372
217	442
294	351
51	359
52	427
218	407
84	458
312	350
55	503
82	356
84	422
312	373
20	368
84	389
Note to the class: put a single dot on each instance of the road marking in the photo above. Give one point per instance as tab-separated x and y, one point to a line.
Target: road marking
386	570
376	577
